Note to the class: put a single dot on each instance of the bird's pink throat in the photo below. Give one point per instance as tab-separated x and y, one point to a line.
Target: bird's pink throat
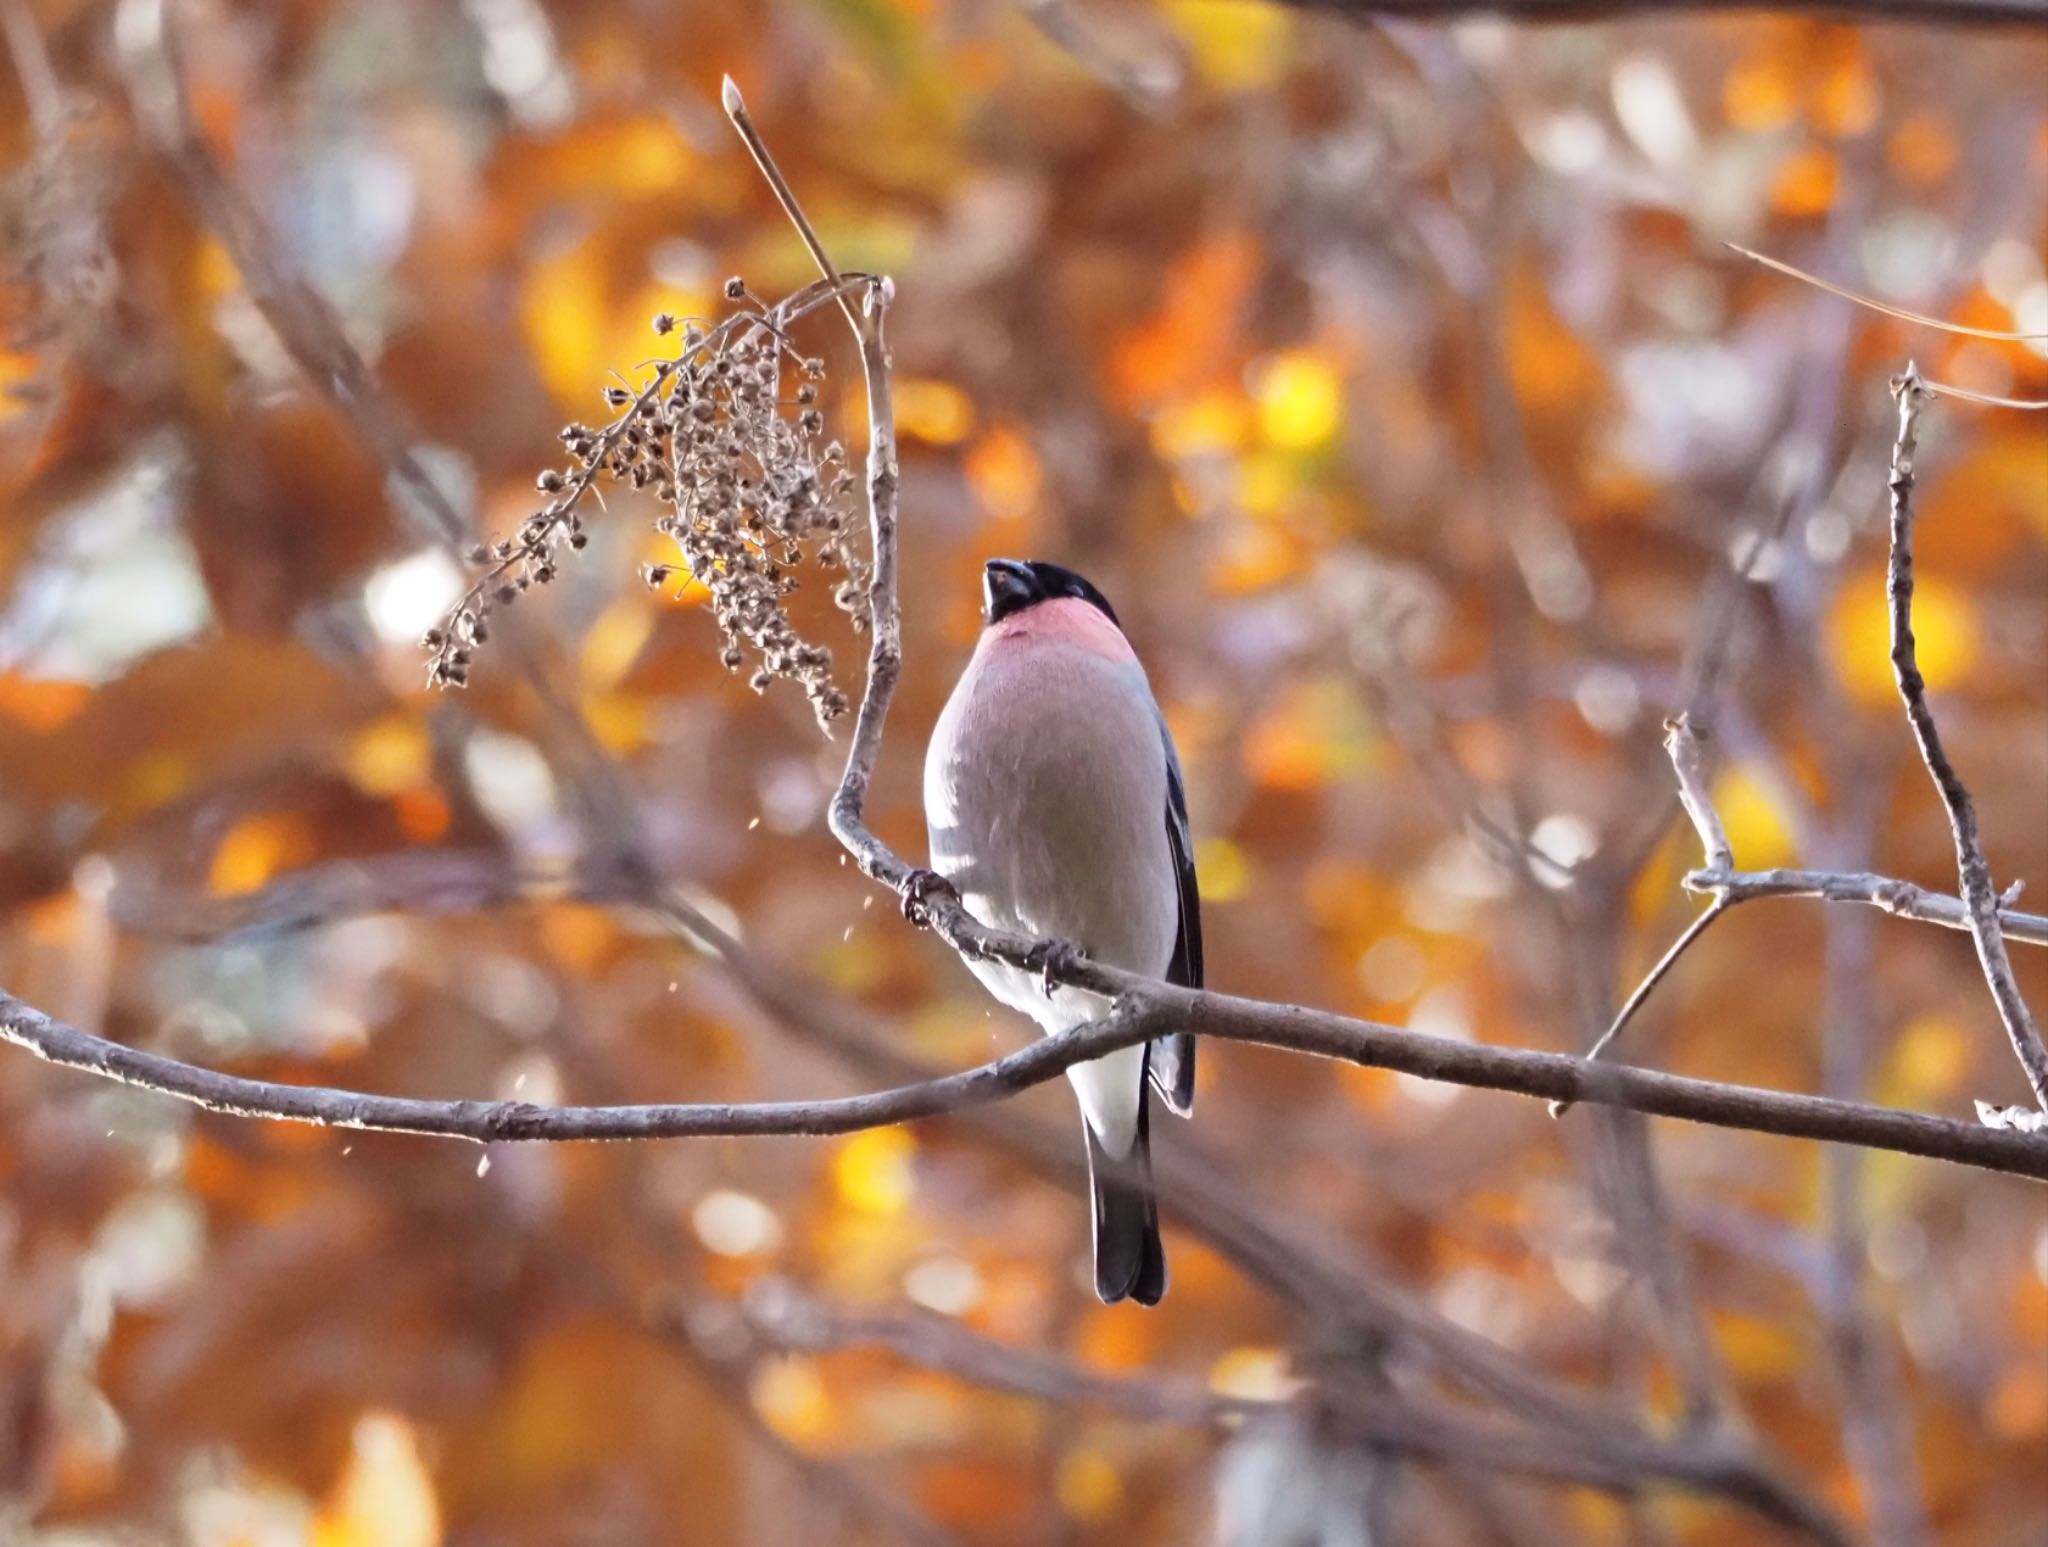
1065	620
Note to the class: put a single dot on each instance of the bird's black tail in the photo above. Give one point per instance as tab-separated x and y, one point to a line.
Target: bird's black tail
1129	1260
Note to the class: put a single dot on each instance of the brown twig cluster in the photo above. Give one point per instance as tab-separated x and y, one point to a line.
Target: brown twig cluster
1982	909
730	441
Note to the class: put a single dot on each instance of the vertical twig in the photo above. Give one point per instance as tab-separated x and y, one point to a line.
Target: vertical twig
885	621
1980	895
1682	742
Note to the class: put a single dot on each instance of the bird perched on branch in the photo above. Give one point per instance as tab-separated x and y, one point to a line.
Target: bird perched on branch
1055	804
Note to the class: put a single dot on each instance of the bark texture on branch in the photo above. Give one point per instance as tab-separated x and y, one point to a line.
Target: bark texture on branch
1980	895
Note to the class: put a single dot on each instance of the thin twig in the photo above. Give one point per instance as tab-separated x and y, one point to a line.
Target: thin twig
1682	743
1900	898
1665	963
743	121
1920	319
1980	895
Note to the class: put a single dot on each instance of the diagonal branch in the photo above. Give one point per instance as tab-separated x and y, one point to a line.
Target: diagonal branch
1980	895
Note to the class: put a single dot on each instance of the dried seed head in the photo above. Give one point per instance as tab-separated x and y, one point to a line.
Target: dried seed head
749	493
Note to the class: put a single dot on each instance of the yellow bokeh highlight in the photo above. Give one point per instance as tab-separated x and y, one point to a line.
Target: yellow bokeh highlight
1253	1374
1005	473
214	274
872	1171
1225	869
1759	829
384	1497
1234	47
1756	1348
1300	400
1760	93
1945	632
390	755
1088	1486
158	777
564	312
646	156
257	848
622	722
17	371
1266	484
933	411
614	642
1928	1064
580	330
791	1397
1211	423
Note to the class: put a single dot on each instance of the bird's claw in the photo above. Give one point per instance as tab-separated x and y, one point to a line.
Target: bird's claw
919	888
1052	960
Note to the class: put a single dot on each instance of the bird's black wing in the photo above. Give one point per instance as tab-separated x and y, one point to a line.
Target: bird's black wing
1171	1061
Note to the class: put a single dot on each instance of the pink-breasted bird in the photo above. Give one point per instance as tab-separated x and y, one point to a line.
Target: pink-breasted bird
1054	800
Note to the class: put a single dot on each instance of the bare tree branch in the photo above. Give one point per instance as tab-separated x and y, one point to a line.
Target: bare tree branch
787	1317
1980	895
784	1314
1144	1008
1900	898
304	322
1729	886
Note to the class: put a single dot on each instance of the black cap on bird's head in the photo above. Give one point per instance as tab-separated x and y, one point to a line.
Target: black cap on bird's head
1011	585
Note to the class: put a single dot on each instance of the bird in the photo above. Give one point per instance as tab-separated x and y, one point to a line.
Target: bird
1055	807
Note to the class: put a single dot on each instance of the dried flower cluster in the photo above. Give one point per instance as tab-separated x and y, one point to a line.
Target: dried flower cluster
729	438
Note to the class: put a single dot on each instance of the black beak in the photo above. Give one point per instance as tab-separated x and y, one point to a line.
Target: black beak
1007	586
